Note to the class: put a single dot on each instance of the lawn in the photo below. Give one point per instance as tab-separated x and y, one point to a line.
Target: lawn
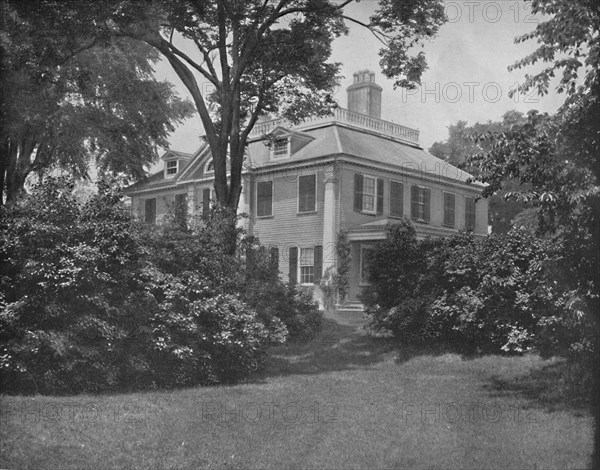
344	400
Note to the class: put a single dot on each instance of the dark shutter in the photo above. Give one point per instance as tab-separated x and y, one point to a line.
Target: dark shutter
205	201
414	202
318	267
293	265
358	192
275	258
396	199
150	211
426	201
449	209
379	196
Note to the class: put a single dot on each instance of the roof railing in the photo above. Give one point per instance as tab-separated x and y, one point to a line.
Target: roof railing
344	116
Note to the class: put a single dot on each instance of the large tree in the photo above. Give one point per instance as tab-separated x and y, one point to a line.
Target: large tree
72	96
558	156
266	56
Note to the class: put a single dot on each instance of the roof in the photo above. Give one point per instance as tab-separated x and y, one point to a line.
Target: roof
346	140
325	140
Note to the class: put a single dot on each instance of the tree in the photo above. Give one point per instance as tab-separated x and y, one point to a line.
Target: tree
264	56
72	96
558	157
461	144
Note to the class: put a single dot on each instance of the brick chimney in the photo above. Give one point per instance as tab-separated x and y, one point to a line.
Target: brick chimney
364	95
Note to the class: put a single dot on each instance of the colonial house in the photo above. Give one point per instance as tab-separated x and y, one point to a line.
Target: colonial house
303	184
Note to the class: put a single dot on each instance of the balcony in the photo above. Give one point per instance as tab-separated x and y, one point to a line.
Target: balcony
343	116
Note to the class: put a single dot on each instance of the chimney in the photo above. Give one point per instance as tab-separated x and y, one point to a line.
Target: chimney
364	95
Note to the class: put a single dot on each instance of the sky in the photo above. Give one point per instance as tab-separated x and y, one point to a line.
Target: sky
467	78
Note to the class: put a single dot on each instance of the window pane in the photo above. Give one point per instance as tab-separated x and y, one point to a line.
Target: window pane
307	256
172	167
368	194
307	259
280	148
306	193
264	200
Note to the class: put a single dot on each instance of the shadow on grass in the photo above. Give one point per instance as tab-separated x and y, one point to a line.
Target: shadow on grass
337	347
341	345
555	387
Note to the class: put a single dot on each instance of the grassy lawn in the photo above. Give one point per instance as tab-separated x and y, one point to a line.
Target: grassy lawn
342	401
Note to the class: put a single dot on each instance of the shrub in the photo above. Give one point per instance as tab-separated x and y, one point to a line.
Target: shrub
496	294
94	301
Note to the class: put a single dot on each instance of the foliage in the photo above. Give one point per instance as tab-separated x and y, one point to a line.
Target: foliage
94	301
267	58
71	98
344	262
462	144
497	294
556	158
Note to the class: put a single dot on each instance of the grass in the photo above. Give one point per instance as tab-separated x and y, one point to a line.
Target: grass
342	401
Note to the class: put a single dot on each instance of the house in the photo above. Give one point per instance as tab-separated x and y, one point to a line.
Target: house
351	171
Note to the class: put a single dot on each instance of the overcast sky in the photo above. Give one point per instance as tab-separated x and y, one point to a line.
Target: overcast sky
467	77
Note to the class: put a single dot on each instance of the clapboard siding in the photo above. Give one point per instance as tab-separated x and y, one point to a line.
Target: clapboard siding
287	228
351	219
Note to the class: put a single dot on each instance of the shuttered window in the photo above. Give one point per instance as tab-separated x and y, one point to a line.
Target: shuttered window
150	211
307	192
396	199
420	202
368	194
306	265
264	198
449	204
470	213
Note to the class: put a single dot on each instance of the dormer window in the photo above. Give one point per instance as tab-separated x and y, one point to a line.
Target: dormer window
210	167
281	148
171	168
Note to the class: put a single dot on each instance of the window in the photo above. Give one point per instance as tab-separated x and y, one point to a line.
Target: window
449	209
368	199
150	211
420	198
307	266
470	213
307	191
366	254
280	148
264	198
210	167
172	167
396	199
368	194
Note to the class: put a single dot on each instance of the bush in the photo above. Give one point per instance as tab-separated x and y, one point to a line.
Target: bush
495	294
94	301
